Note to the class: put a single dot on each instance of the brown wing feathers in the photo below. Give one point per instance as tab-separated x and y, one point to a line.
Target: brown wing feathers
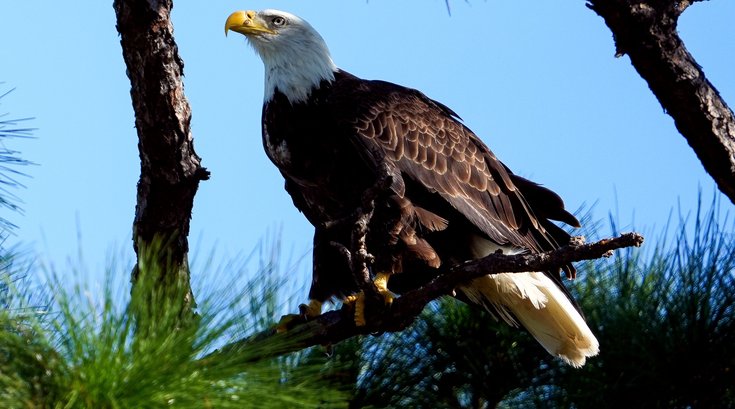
426	142
449	163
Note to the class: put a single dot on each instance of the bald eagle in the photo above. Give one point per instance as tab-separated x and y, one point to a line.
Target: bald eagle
332	135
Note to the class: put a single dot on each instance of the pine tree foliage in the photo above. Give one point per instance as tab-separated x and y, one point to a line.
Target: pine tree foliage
666	323
91	352
10	161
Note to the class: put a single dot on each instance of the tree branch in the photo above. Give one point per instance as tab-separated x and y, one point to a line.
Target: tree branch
170	169
334	326
645	30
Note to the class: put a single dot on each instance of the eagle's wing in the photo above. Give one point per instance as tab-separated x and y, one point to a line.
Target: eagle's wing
426	142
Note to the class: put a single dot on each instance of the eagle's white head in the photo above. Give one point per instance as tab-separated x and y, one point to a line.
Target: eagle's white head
295	56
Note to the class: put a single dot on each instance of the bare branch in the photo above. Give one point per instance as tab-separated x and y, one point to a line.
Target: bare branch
646	31
335	326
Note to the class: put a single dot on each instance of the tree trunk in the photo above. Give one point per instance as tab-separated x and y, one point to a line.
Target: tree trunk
645	30
170	170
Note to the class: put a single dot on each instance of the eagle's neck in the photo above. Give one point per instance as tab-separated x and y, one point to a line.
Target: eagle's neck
296	72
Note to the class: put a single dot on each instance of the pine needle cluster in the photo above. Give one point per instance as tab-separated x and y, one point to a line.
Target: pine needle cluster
87	349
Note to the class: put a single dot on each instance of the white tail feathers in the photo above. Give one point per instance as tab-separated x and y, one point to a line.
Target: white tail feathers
536	302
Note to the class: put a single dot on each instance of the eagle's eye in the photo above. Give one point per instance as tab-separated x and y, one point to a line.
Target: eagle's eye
278	21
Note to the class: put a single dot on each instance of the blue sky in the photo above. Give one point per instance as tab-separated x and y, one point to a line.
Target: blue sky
538	82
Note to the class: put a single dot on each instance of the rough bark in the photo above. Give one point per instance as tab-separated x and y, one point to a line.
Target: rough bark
335	326
645	30
170	169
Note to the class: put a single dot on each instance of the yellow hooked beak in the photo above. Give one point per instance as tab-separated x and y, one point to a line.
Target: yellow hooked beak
247	23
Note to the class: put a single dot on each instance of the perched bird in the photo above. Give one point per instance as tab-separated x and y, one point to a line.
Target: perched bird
448	199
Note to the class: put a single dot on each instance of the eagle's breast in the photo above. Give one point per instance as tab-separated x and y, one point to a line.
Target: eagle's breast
277	150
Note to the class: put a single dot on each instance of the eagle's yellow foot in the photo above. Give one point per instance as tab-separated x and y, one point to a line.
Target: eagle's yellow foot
311	310
306	312
359	303
381	284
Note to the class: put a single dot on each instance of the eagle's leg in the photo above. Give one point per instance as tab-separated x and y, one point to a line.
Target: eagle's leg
306	312
381	284
358	301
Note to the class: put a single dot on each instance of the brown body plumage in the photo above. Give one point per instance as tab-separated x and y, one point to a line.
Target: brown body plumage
447	186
